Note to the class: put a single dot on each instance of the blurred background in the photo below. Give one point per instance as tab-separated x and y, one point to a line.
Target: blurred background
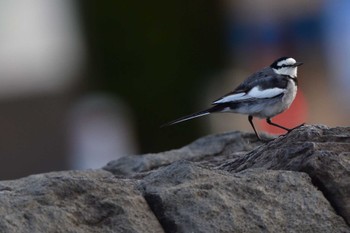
86	82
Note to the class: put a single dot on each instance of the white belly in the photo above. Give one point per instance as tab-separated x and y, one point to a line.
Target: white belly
284	104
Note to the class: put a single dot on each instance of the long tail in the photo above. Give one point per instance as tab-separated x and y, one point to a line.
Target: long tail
216	108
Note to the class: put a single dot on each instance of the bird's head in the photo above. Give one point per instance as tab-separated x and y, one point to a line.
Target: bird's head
286	66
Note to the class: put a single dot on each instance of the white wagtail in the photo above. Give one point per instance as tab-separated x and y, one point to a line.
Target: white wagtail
264	94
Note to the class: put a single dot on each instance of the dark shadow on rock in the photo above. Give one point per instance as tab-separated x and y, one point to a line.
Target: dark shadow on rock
321	152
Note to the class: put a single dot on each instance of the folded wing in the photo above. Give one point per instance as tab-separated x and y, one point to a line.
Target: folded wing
259	88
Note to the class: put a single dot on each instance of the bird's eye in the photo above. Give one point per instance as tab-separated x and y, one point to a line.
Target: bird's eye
284	65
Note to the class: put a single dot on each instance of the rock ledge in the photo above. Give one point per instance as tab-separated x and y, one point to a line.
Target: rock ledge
228	182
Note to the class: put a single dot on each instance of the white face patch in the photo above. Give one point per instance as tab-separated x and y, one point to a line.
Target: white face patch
290	71
284	67
288	61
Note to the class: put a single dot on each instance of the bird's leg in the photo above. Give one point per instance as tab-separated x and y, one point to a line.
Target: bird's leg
250	119
268	120
298	126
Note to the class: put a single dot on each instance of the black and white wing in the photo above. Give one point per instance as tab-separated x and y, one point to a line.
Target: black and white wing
260	85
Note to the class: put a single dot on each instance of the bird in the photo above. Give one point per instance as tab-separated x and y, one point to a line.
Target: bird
264	94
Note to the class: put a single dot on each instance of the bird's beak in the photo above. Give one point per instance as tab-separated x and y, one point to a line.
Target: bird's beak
298	64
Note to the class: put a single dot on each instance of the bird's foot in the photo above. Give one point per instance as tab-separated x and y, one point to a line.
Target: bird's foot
298	126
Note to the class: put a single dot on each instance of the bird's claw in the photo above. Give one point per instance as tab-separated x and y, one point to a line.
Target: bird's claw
298	126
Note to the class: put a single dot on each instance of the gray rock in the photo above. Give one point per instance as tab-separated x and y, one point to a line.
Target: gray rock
188	198
229	182
86	201
321	152
226	145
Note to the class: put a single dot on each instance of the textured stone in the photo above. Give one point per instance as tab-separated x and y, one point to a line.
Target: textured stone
188	198
214	147
321	152
228	182
87	201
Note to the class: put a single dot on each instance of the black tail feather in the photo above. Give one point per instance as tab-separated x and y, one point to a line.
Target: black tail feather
186	118
216	108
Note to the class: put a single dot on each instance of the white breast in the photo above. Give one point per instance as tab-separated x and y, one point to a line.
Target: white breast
290	93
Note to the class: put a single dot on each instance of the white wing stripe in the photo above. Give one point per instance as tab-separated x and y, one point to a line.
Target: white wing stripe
253	93
267	93
233	97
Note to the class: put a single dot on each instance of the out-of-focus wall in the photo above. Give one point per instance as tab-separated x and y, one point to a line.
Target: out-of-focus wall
85	82
41	55
156	56
46	115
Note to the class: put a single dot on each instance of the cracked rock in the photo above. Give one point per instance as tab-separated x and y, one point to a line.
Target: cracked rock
227	182
321	152
188	198
86	201
213	147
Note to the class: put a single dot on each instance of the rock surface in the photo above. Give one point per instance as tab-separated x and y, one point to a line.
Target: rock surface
322	153
216	148
187	198
86	201
228	182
